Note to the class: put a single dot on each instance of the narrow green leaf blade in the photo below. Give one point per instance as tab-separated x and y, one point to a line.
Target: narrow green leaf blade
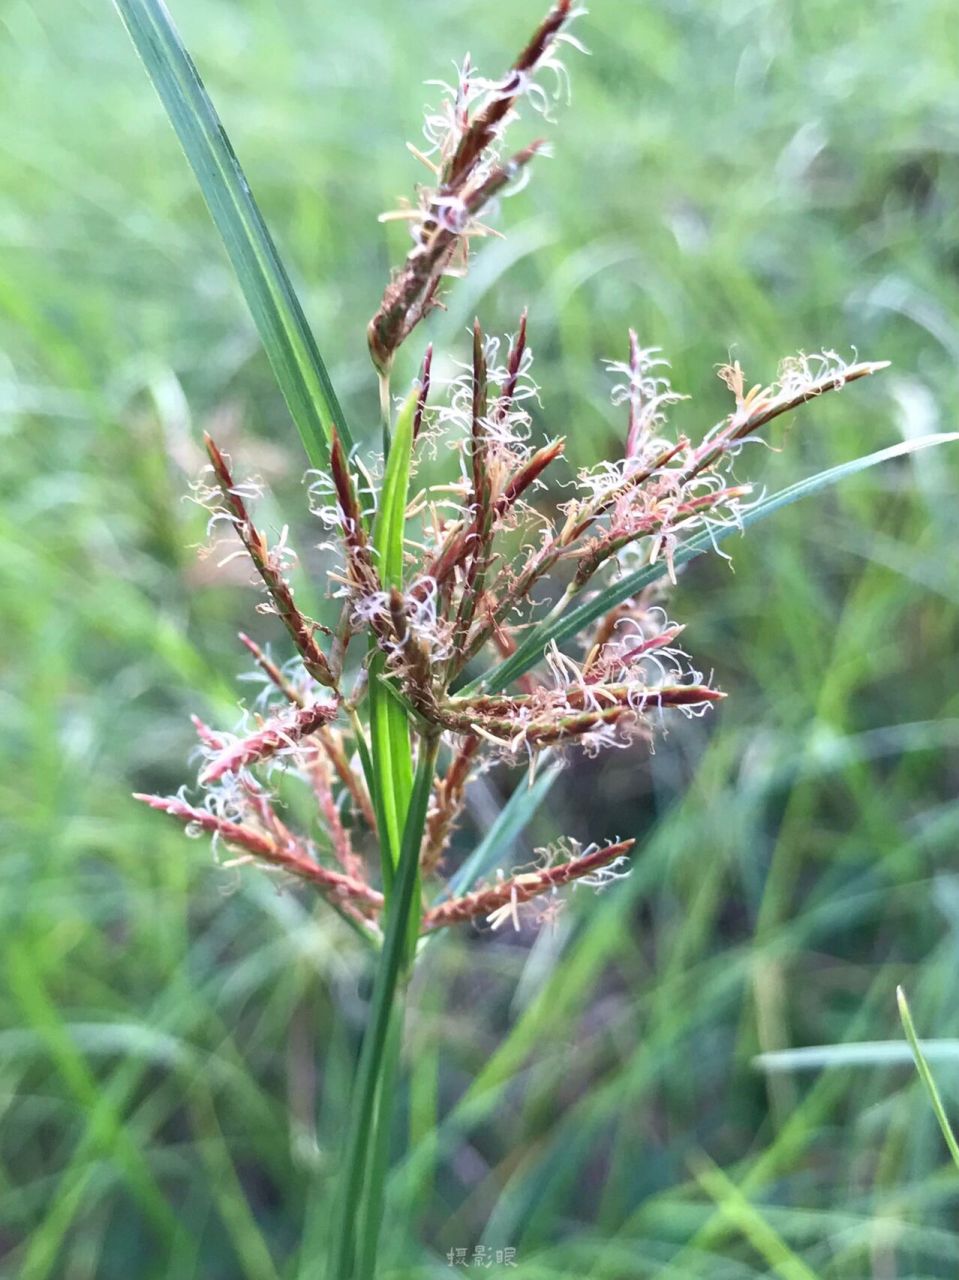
390	524
276	311
573	622
922	1066
389	726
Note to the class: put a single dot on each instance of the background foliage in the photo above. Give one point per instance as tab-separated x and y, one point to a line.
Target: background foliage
747	177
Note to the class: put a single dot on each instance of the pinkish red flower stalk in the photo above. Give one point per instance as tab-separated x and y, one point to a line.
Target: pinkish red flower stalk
340	841
269	565
292	855
330	740
446	803
279	734
498	903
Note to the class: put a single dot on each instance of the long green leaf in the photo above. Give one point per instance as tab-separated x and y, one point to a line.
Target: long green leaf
572	623
922	1066
276	311
402	910
378	1160
389	726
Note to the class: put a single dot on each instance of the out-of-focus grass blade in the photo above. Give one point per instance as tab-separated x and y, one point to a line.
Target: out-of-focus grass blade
510	821
276	311
106	1133
249	1246
389	726
867	1053
571	623
737	1209
925	1075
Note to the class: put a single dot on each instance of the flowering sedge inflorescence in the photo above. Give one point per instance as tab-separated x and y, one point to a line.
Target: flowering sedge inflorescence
482	563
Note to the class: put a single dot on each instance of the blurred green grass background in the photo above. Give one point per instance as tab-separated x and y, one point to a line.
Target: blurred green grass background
745	178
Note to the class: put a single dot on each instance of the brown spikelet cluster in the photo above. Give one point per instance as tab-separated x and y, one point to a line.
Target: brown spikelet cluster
469	169
481	564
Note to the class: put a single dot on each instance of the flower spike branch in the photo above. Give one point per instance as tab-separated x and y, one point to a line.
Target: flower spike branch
467	590
466	161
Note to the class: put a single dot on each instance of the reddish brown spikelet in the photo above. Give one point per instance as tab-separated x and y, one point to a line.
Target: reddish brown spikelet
468	180
484	128
446	804
520	888
757	408
480	537
528	474
359	561
300	629
296	858
275	735
765	409
412	658
412	293
328	738
209	737
461	539
654	642
514	363
661	519
346	495
424	392
545	719
340	842
634	481
479	403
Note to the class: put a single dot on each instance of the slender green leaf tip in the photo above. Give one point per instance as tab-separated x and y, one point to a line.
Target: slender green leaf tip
277	314
390	525
925	1074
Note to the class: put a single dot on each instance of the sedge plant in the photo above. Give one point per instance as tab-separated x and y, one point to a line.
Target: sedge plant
477	622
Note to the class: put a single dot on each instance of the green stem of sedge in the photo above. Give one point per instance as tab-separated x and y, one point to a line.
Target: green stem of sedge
402	913
379	1160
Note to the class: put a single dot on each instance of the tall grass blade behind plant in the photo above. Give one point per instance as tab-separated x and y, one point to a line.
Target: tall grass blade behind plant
455	593
926	1076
